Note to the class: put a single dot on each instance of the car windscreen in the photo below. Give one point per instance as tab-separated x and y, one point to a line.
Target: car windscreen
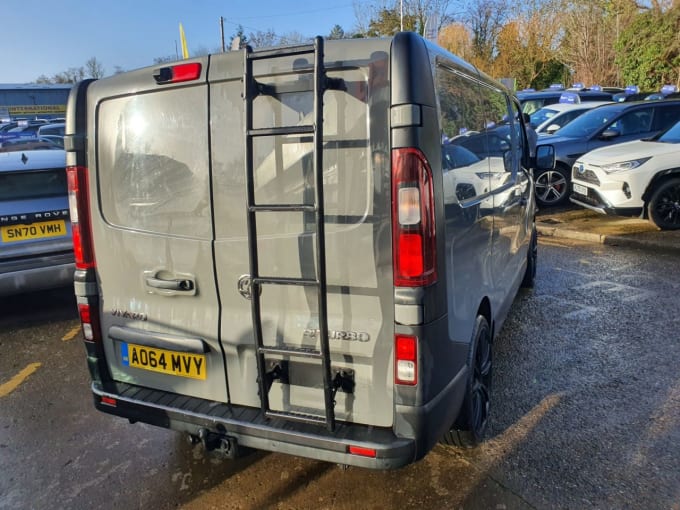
33	184
586	124
540	116
672	135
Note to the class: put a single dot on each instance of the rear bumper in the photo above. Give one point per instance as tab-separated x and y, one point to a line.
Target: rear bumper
249	428
37	274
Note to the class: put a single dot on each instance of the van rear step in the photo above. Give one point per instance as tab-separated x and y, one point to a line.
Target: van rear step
248	427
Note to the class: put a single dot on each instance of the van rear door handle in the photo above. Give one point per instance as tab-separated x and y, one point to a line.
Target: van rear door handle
181	285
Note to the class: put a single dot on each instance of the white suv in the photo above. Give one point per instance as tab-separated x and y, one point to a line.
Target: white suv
640	178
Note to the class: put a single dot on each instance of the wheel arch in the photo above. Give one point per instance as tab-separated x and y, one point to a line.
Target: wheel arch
658	178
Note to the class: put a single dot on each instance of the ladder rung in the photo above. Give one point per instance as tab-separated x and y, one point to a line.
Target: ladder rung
301	417
291	351
282	52
282	208
284	281
283	130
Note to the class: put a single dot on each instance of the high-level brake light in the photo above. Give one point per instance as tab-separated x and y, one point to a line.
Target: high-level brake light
178	73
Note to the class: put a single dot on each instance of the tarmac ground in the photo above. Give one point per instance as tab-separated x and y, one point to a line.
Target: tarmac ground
573	222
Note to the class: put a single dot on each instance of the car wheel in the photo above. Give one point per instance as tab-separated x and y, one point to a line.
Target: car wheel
664	206
552	186
532	259
469	428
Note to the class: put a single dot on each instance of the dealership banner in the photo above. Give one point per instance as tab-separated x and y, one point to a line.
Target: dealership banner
36	109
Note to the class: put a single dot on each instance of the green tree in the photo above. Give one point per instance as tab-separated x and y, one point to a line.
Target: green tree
384	17
388	22
336	33
648	51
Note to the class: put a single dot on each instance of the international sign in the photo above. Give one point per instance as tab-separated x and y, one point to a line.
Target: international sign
36	109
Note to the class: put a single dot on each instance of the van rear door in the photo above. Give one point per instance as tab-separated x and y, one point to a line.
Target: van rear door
357	231
153	231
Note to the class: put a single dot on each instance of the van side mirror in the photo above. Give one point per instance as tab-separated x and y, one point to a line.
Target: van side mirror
552	128
545	157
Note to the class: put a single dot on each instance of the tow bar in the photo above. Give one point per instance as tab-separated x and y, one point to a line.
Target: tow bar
222	444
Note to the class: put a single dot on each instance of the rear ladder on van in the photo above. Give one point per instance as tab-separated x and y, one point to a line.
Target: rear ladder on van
267	374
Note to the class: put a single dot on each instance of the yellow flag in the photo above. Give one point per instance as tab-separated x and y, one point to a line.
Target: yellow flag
185	51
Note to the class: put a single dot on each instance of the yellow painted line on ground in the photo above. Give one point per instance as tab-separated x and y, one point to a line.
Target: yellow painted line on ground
71	334
14	382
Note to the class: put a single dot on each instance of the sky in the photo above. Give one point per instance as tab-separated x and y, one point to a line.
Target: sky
49	37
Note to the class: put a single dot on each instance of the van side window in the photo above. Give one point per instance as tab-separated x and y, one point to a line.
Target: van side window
465	146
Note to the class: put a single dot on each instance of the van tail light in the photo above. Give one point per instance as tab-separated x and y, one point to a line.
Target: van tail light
89	319
413	229
79	206
406	360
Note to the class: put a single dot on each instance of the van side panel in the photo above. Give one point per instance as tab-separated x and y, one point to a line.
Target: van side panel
428	409
357	222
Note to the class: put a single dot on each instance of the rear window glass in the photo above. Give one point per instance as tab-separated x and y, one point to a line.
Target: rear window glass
153	162
30	185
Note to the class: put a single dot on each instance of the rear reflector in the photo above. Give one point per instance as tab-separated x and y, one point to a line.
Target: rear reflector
405	360
109	401
361	451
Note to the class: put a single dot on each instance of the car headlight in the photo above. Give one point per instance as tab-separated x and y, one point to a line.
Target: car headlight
623	166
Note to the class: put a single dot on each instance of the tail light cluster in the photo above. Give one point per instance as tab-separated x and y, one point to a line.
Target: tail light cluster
413	244
413	229
79	207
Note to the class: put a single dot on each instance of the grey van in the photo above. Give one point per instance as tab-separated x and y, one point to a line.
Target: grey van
278	250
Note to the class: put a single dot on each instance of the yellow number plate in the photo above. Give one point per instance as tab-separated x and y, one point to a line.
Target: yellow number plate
184	364
56	228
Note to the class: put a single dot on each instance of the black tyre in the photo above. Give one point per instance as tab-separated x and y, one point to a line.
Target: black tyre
664	206
470	426
532	261
552	186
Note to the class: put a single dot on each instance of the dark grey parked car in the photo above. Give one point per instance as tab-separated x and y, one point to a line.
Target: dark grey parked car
602	126
36	250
